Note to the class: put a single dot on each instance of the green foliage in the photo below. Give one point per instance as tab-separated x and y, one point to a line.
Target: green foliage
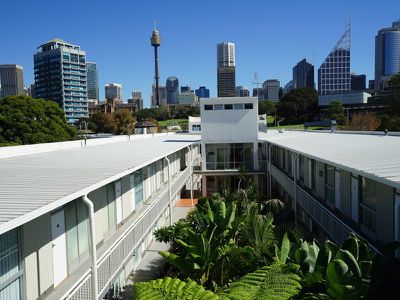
171	289
336	112
124	122
24	120
266	107
298	106
102	122
276	281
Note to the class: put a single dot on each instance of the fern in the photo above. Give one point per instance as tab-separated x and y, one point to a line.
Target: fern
171	289
277	281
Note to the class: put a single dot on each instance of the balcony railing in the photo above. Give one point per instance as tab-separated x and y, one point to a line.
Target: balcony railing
113	260
326	219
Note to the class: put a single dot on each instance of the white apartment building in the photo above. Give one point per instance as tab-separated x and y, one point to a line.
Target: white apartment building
71	213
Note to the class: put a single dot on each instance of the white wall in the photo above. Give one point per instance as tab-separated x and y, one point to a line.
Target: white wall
229	126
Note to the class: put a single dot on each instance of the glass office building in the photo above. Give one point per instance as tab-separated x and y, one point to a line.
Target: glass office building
172	85
334	72
387	54
61	76
92	82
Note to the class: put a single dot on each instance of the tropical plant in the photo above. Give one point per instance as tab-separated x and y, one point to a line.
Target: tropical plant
171	289
276	281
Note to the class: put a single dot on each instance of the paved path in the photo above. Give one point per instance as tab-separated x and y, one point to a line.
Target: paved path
151	265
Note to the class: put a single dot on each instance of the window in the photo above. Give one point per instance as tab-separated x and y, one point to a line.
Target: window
238	106
229	156
330	184
208	107
138	179
196	127
218	107
228	106
248	106
10	272
301	168
369	192
313	170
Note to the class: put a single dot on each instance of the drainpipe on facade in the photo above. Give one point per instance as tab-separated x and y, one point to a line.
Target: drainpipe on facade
294	163
169	191
269	171
191	172
90	207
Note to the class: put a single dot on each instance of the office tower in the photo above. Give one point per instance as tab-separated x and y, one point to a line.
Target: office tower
202	92
137	99
334	73
92	82
288	87
257	92
114	91
156	42
387	54
270	89
371	84
11	80
358	82
186	88
187	98
303	75
61	76
226	76
162	96
242	91
172	85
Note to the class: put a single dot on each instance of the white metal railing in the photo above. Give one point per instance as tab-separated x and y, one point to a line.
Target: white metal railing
330	223
112	261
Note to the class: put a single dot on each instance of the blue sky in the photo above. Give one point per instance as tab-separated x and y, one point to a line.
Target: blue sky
270	36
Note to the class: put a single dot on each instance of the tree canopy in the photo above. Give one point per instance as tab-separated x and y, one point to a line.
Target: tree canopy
298	106
24	120
336	112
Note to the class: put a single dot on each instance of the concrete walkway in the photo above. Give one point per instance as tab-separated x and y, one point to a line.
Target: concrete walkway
151	265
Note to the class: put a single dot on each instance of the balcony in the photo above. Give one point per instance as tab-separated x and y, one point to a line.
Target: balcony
115	252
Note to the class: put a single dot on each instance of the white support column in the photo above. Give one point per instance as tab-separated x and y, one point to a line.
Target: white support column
92	229
169	191
191	172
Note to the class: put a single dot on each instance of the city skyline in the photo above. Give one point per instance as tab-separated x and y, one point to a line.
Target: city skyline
197	50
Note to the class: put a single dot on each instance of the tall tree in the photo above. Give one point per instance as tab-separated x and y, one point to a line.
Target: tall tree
124	121
24	120
102	122
336	112
298	106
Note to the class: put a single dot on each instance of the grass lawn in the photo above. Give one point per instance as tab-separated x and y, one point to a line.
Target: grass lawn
181	122
297	126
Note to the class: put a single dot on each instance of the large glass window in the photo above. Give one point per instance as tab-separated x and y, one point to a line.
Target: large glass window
229	156
9	266
301	168
369	192
138	187
330	183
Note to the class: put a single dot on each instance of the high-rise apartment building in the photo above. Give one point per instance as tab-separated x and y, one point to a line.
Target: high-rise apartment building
92	82
186	88
334	72
11	80
172	85
61	76
242	91
202	92
387	54
226	72
303	75
271	89
114	91
358	82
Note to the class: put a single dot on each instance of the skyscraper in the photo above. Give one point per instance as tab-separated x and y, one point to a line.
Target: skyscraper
358	82
114	91
270	89
387	54
334	73
92	82
303	75
162	96
137	99
202	92
242	91
172	85
11	80
226	76
61	76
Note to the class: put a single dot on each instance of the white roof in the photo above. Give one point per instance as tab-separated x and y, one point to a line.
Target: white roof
373	156
32	185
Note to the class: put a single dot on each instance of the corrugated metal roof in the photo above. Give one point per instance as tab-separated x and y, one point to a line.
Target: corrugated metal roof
373	156
32	185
